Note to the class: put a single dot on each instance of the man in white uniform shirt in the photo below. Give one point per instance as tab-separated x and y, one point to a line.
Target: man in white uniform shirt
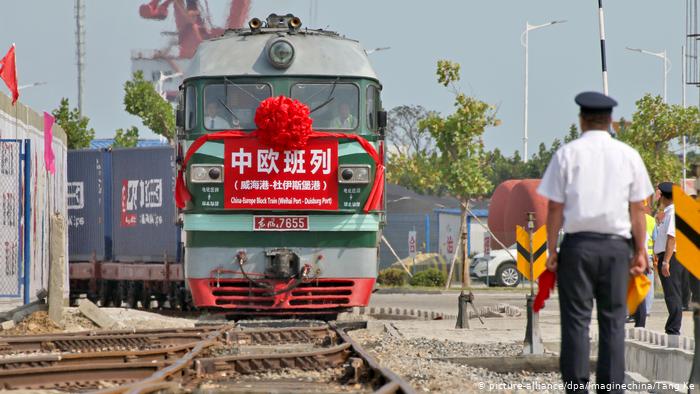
671	271
596	186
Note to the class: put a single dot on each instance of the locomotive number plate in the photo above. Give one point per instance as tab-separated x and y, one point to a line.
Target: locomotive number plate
280	223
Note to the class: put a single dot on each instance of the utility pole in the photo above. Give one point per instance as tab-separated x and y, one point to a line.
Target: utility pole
691	77
684	141
80	49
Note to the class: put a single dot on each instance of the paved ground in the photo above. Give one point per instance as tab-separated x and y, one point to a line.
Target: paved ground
497	329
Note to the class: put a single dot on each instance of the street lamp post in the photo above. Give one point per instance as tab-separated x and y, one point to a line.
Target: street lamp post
524	42
31	85
667	65
371	51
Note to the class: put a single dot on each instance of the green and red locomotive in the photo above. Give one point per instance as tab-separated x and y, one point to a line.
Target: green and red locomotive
279	221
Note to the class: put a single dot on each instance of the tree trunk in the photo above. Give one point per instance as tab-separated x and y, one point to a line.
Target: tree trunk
466	279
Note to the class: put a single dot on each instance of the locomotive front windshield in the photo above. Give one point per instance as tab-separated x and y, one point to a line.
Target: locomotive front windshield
334	105
232	106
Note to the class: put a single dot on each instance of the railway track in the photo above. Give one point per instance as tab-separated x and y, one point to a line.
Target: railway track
94	341
223	358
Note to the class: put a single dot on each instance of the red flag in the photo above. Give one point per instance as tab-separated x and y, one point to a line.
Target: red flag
49	157
546	285
8	73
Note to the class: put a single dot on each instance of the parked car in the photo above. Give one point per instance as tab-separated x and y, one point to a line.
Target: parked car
497	269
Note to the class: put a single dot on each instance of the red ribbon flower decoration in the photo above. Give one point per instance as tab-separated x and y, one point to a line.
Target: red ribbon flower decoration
283	123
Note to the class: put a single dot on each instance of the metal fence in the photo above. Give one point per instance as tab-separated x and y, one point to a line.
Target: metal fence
433	234
10	218
396	232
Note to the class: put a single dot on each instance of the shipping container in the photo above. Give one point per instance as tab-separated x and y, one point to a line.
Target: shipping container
86	205
143	208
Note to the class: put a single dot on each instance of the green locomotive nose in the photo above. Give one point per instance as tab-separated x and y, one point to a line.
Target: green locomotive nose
273	230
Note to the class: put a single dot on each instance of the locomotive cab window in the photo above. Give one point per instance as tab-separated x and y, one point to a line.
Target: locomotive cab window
334	105
233	105
190	105
372	107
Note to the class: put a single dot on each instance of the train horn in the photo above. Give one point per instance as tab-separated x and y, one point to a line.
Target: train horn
294	23
255	24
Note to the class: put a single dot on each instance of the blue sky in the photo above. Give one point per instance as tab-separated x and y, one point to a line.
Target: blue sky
484	36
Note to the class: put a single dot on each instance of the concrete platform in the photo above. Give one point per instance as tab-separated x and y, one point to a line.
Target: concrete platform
651	356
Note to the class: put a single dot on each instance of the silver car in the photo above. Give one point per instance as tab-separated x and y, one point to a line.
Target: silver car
497	269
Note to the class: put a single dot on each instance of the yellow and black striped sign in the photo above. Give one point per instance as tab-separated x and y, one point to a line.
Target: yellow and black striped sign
539	244
687	231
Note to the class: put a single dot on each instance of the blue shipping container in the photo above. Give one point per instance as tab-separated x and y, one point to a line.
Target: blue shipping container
86	209
143	207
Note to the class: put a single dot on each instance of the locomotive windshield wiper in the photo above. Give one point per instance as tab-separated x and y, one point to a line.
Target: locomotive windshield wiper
243	90
330	97
323	104
229	110
226	80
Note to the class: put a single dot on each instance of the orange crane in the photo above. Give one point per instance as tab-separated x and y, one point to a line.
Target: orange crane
193	22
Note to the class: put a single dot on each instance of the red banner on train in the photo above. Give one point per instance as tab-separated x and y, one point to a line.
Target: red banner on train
257	177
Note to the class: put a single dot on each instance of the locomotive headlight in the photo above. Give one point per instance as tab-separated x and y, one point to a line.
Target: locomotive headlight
280	53
353	173
206	173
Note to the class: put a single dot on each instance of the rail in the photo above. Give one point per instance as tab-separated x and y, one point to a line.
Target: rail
134	362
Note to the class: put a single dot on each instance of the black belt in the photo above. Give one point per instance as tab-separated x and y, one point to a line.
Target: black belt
585	235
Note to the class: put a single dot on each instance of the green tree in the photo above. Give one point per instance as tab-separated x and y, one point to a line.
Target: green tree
501	168
573	134
128	138
539	161
404	134
75	125
412	160
654	125
459	139
142	100
418	172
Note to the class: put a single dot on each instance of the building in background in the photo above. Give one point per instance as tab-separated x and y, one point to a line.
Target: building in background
432	218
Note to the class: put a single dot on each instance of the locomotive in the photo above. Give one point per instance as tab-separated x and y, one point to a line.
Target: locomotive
269	231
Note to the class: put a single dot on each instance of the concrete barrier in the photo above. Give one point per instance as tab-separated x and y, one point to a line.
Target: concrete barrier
657	356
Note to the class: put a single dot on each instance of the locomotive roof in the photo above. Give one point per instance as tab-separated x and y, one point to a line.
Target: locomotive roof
317	52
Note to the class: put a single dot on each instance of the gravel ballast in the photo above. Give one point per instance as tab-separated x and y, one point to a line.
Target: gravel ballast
414	360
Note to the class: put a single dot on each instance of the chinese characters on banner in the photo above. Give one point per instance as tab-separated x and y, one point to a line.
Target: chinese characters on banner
257	177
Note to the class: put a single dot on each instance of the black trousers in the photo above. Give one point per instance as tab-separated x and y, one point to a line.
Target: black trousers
690	289
673	292
593	269
640	315
694	285
685	289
